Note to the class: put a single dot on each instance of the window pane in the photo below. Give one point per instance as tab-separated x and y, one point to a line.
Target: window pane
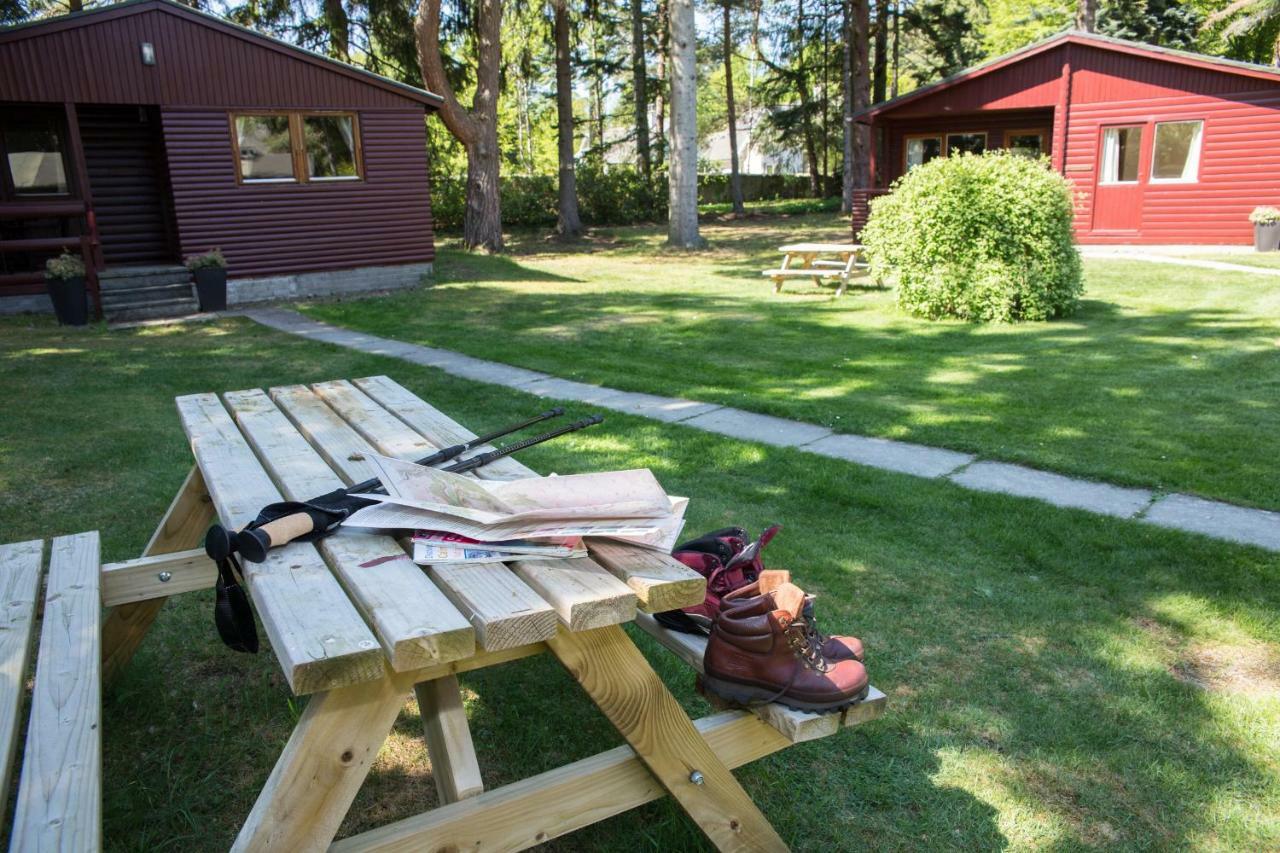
922	150
971	143
1026	145
1122	146
1177	151
35	157
265	152
331	147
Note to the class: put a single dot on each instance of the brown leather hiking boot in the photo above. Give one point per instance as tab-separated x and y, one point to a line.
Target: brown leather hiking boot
772	657
751	599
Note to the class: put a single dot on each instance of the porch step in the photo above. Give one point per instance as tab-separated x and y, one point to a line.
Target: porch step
152	310
128	278
120	298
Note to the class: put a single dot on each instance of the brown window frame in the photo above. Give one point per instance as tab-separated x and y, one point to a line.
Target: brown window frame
906	140
297	147
946	148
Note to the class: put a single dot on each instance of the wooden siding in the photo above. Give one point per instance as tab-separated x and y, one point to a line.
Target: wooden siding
1024	85
1239	167
198	63
268	229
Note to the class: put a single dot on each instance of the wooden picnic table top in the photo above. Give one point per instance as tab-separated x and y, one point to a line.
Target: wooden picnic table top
798	248
335	611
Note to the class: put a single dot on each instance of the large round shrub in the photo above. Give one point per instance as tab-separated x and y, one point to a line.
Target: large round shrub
983	238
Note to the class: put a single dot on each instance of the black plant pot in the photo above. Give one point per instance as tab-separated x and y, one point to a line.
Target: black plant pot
1266	236
69	303
211	288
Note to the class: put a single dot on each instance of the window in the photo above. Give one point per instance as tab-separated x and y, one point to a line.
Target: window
1176	156
922	149
966	143
1025	143
1121	149
331	147
33	153
301	147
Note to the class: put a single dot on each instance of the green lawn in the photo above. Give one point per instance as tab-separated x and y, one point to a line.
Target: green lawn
1167	377
1269	260
1057	680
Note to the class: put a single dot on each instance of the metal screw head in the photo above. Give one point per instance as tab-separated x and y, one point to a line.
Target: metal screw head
696	777
165	577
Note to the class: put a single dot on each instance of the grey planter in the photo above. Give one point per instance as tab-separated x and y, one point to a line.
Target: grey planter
70	305
1266	236
211	288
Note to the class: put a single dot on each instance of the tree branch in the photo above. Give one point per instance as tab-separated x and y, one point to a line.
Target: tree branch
426	30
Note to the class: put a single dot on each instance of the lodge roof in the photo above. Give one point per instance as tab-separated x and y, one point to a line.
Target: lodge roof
72	20
1071	36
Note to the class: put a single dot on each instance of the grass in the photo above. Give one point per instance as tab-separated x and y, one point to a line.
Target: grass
1266	260
1167	377
1057	680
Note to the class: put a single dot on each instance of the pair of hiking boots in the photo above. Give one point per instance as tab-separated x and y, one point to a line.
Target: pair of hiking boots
764	644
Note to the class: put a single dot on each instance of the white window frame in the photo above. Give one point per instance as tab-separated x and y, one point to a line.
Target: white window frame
1109	171
1193	153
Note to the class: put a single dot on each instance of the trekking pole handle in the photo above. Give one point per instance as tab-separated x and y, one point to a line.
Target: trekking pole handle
506	450
254	544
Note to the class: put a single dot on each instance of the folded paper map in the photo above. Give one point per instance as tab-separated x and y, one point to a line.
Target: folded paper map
626	505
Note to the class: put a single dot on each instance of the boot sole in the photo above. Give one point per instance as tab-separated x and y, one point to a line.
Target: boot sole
748	695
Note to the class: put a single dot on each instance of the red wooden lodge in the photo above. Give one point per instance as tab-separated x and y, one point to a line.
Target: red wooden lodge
1162	146
146	131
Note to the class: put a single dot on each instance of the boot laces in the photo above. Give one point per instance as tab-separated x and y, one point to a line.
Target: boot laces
803	641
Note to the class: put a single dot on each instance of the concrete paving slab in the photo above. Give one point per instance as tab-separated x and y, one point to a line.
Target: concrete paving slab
754	427
1056	489
567	389
668	409
1221	521
900	456
492	372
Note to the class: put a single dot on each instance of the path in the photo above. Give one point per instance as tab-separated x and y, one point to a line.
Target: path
1182	512
1172	255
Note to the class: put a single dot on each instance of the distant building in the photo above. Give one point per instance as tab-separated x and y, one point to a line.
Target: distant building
758	151
144	131
1161	145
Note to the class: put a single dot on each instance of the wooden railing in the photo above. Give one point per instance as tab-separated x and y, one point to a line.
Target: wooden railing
76	213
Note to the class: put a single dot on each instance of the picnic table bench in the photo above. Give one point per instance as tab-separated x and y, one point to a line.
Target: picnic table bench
358	627
813	265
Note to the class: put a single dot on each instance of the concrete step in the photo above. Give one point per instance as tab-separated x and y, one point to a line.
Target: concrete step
151	310
143	295
132	277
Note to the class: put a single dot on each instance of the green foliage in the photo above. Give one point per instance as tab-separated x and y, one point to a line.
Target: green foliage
64	266
979	238
212	259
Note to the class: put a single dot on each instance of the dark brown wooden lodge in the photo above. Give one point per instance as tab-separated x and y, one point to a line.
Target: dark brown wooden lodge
146	131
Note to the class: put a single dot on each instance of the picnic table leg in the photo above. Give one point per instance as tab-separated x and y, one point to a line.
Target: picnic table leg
808	264
777	279
323	766
849	259
453	755
182	527
623	685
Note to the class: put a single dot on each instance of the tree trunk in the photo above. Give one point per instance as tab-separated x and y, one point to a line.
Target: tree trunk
640	83
897	20
682	180
339	26
802	89
735	179
476	129
846	101
861	86
660	100
879	71
568	224
1086	15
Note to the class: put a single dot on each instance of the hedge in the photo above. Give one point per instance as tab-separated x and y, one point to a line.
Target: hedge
985	238
606	196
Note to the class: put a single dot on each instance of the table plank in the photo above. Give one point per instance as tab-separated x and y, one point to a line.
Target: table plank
436	426
413	620
60	795
502	608
659	581
20	565
342	447
315	631
833	248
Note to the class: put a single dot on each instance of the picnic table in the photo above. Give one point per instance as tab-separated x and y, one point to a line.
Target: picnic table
812	264
358	627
